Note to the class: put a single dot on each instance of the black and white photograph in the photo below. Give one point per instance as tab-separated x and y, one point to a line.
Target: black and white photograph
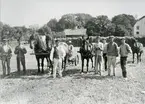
72	52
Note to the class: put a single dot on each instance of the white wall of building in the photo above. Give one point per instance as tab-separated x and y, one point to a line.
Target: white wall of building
139	28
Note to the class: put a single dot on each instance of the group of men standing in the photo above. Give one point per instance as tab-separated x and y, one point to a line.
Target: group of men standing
109	52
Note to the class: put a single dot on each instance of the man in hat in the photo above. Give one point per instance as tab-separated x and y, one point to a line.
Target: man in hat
20	51
98	48
56	55
112	53
125	49
105	52
6	54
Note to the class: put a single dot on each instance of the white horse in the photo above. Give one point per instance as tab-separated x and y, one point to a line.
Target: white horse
63	53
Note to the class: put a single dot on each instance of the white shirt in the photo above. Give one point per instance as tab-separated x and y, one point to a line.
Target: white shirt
6	48
96	50
105	47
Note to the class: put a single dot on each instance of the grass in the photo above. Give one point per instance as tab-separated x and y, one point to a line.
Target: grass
73	88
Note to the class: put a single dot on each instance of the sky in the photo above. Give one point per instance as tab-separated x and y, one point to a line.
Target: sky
32	12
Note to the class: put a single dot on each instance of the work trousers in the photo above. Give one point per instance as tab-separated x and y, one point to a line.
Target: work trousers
123	61
111	62
57	63
105	61
6	65
21	60
98	63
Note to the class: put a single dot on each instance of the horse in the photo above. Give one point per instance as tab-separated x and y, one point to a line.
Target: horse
64	46
86	51
42	46
137	48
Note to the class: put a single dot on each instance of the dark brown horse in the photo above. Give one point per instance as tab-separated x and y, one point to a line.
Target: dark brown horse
86	51
42	46
137	48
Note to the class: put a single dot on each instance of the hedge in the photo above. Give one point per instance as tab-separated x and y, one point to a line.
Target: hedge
76	42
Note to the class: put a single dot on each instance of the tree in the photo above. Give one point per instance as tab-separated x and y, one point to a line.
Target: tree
99	26
127	22
46	29
52	24
71	21
91	27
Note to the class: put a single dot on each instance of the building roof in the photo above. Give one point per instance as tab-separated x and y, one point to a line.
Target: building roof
141	18
77	32
59	35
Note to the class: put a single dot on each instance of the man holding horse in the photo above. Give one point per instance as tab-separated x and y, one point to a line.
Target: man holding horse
56	56
125	49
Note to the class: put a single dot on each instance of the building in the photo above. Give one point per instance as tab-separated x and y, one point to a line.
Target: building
74	33
139	27
60	35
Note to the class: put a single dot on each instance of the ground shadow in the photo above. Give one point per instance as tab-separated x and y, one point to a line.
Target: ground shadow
70	72
92	76
29	74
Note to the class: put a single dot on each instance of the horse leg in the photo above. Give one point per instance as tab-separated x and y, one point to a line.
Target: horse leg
140	56
82	65
87	64
65	62
92	62
42	65
133	57
51	66
38	64
137	58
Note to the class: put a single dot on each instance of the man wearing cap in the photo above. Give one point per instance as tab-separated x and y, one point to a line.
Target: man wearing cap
56	56
125	49
6	54
98	48
20	51
112	53
105	53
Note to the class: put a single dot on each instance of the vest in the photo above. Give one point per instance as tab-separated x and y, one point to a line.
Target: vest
56	53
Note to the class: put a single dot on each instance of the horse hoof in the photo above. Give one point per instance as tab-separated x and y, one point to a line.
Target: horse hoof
82	73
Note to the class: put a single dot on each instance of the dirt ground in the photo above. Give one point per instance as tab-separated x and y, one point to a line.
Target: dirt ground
73	88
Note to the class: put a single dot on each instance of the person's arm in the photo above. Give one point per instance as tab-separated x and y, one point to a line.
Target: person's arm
117	51
129	49
24	50
107	48
63	54
51	54
101	47
10	50
16	50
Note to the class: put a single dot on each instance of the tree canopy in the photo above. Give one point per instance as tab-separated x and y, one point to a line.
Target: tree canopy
119	25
